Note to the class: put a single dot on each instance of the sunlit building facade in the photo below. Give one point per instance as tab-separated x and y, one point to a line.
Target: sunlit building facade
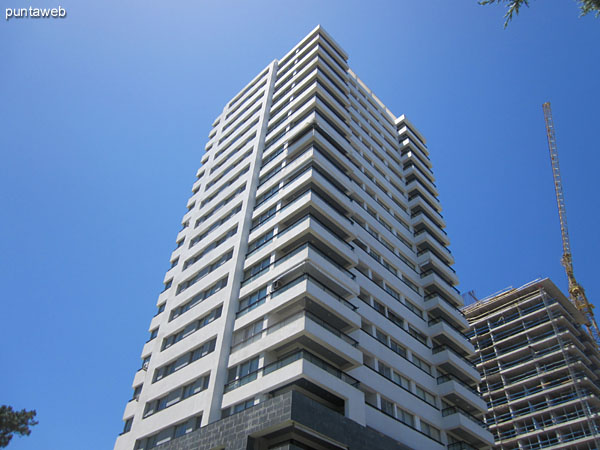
310	301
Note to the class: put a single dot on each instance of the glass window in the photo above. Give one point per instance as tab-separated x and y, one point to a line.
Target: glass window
406	417
424	395
384	370
398	348
387	407
402	381
127	426
381	337
421	364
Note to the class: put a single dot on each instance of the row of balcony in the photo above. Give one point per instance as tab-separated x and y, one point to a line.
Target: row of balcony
289	359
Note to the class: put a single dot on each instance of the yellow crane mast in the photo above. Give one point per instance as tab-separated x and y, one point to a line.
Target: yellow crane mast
576	292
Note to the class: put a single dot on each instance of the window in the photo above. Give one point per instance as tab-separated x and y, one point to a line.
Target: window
137	391
253	300
153	334
198	298
398	348
214	244
191	328
174	262
405	417
264	216
238	408
204	271
366	327
257	269
176	395
425	395
413	308
402	381
219	205
168	284
242	373
396	319
161	308
260	241
430	430
146	362
169	433
417	335
381	337
387	407
379	307
267	194
180	242
421	364
127	426
248	332
384	370
184	360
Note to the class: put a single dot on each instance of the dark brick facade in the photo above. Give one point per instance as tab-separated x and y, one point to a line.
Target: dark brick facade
289	414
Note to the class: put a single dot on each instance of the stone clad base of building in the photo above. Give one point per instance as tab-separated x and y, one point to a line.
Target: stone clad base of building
290	421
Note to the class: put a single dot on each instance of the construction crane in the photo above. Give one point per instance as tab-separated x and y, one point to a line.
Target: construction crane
576	292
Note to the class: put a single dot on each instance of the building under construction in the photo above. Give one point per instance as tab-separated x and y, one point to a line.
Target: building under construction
540	369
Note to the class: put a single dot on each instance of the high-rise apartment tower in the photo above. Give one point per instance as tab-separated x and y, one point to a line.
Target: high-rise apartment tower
310	301
540	369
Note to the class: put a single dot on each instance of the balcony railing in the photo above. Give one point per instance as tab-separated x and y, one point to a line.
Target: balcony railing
442	320
294	225
448	377
286	361
430	271
461	446
276	326
441	348
291	284
445	300
458	410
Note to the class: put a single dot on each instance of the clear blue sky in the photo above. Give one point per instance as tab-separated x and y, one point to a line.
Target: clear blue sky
104	117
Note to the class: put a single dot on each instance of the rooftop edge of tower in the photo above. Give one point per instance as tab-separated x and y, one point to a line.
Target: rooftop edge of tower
318	30
502	299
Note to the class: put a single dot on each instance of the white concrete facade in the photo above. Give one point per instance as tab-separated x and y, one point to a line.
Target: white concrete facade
313	249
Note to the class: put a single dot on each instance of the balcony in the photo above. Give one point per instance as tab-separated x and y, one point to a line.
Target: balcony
411	170
424	240
306	228
299	364
433	283
307	253
409	158
454	363
447	334
458	392
429	260
466	426
304	281
436	305
420	199
307	329
414	182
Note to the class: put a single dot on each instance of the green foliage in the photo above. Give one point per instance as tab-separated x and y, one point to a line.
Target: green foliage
513	7
14	422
